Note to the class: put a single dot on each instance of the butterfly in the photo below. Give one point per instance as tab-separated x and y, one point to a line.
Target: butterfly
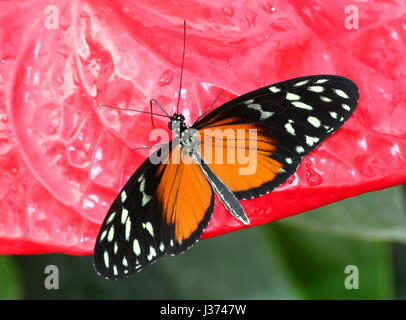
165	206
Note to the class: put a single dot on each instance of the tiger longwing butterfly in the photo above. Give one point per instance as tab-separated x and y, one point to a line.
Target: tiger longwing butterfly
165	206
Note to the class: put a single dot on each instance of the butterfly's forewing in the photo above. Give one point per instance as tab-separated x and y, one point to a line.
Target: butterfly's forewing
157	212
291	117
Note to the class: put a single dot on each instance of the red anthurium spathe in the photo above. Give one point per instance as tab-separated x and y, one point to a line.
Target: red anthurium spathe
63	158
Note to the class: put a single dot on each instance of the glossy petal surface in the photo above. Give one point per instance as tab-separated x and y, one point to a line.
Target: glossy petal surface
63	159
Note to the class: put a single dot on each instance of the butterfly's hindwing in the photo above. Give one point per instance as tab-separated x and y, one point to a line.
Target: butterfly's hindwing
293	116
157	212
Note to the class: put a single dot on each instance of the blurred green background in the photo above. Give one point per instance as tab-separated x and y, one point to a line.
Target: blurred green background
302	257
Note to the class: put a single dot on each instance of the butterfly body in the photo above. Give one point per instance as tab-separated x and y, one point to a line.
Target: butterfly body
167	203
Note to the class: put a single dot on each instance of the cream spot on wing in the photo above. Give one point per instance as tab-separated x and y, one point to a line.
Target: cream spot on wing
317	89
113	214
310	141
103	235
299	149
111	234
292	96
325	99
315	122
333	114
249	101
346	107
341	93
274	89
127	229
106	259
299	104
257	107
289	128
123	196
301	83
152	253
136	247
149	228
124	215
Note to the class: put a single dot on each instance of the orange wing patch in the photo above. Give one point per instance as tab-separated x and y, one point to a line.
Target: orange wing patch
239	155
184	194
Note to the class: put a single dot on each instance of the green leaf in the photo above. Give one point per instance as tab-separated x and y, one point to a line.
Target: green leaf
379	215
10	284
240	265
316	262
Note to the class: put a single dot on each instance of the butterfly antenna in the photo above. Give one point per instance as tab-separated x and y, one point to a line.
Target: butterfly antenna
181	68
130	109
211	106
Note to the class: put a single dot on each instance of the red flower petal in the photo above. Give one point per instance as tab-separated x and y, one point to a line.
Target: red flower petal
63	159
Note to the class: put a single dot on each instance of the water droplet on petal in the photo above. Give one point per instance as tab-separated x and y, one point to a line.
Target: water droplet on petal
166	78
268	8
228	11
313	178
251	16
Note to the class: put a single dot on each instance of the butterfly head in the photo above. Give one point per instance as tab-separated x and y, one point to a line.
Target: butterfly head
177	123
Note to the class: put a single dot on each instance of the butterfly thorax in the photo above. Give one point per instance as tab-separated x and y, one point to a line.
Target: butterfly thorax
183	134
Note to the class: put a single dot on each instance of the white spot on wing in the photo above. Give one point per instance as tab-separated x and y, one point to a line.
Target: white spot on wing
125	263
288	160
317	89
310	141
299	149
106	259
292	96
111	234
321	80
341	93
333	114
113	214
301	83
136	247
274	89
257	107
145	197
152	253
289	128
149	227
299	104
325	99
161	247
103	235
127	229
124	215
346	107
314	121
123	196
